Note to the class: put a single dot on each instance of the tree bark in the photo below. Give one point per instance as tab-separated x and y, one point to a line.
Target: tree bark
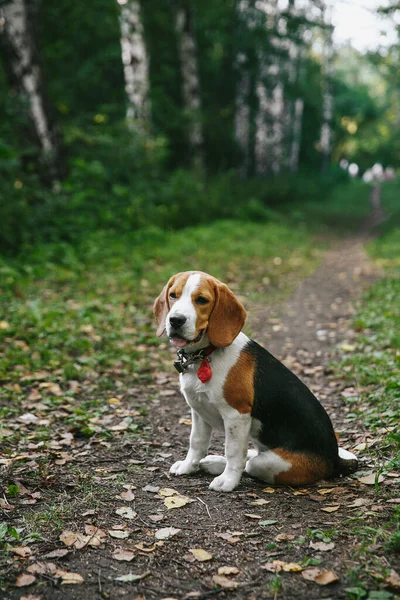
25	75
190	77
327	99
136	64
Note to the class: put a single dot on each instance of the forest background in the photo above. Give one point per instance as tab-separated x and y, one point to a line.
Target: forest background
123	115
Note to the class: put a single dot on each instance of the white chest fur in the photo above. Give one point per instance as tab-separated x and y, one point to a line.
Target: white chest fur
207	399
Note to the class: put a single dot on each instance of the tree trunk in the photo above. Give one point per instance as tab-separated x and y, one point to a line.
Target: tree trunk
190	77
246	126
136	64
24	72
327	101
296	133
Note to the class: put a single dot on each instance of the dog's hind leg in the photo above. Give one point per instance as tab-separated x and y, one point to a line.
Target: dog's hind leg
215	464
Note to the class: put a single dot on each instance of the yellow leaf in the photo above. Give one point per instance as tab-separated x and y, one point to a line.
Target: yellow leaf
200	554
331	509
269	490
176	501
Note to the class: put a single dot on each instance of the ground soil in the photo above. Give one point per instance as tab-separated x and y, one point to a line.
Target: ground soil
306	334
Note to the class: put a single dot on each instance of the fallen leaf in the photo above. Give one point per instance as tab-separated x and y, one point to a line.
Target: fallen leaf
151	488
260	502
311	574
123	555
370	479
96	535
325	491
393	580
43	568
326	577
278	565
166	532
224	582
252	516
131	577
176	501
166	492
346	347
331	509
128	496
21	551
185	421
118	534
126	512
24	580
322	546
200	554
228	571
59	553
284	537
360	502
69	578
156	518
31	597
68	537
269	490
28	419
147	549
268	522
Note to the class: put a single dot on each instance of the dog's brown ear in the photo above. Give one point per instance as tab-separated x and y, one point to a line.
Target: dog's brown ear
227	318
161	307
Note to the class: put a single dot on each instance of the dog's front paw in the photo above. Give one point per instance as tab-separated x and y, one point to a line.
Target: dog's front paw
183	467
224	483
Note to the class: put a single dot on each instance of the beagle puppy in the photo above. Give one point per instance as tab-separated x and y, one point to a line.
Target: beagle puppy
232	383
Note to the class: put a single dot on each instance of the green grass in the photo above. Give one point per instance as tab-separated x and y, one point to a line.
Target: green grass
374	368
86	319
375	365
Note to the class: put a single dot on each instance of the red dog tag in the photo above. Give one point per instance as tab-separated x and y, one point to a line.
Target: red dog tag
204	373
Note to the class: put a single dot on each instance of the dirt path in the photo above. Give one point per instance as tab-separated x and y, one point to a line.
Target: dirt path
248	529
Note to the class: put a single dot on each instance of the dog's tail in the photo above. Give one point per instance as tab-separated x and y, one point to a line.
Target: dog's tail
348	462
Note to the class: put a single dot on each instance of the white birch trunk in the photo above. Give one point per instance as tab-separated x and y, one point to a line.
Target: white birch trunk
271	105
25	73
296	139
135	63
242	96
242	116
327	101
190	77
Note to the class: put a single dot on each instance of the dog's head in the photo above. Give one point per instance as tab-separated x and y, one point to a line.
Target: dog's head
194	305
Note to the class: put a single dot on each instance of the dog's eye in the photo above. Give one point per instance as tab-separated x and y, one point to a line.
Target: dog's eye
201	300
172	296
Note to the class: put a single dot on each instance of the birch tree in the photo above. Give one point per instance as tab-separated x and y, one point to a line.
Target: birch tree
24	72
327	97
247	71
136	64
190	76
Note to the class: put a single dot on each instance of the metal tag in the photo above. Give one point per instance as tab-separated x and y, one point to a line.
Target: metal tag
178	366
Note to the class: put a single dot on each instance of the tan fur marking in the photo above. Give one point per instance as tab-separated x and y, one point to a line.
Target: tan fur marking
239	384
304	470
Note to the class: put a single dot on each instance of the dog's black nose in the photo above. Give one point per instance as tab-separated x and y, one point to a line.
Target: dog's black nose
177	321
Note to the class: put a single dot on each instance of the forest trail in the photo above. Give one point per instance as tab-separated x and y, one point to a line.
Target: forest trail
259	541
